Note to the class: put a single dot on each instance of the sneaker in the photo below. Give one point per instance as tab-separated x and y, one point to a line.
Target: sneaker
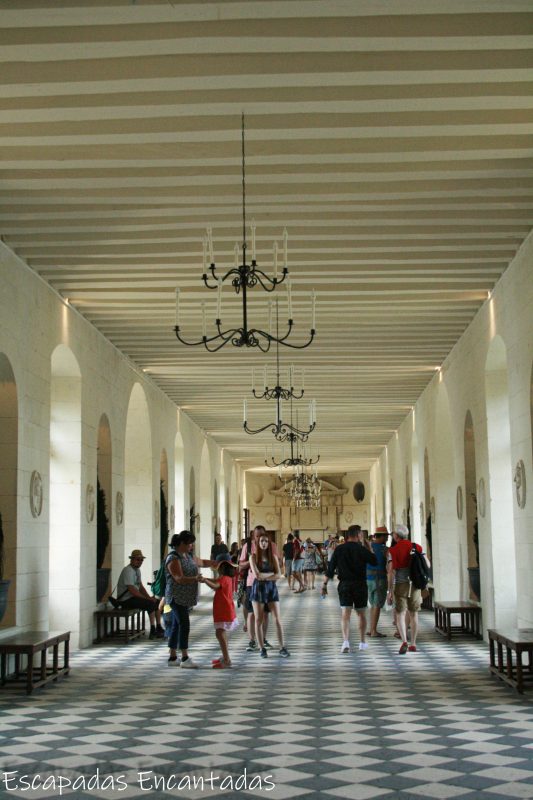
251	646
284	653
412	648
268	645
188	664
263	652
345	647
363	645
403	648
173	661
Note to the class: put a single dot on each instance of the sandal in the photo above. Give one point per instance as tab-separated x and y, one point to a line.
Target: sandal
378	635
397	635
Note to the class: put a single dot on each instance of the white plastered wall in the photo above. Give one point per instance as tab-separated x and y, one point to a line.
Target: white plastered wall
107	380
437	423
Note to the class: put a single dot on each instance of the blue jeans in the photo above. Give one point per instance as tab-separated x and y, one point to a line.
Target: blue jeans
179	631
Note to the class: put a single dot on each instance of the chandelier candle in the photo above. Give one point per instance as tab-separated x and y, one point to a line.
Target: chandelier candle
177	307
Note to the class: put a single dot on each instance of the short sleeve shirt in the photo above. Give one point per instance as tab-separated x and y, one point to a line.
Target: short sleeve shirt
223	605
130	576
400	556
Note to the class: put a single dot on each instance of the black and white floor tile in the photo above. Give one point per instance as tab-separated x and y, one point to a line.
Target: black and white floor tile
371	724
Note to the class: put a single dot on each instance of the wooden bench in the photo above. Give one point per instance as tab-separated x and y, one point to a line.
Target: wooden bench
108	624
517	641
470	618
29	644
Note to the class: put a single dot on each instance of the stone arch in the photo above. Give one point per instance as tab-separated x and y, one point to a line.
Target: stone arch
500	488
470	503
416	526
206	507
138	512
192	523
179	483
447	562
163	503
104	517
9	426
427	532
64	593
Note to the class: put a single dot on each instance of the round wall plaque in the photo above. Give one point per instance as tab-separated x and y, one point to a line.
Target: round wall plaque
459	502
89	502
519	479
481	497
119	508
36	494
359	492
348	516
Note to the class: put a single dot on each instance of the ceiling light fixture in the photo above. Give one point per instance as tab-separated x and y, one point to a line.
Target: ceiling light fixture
244	277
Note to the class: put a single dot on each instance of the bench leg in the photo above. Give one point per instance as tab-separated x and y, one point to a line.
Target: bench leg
55	659
29	678
519	676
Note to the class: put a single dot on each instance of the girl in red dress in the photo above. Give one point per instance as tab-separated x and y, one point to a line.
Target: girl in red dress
224	615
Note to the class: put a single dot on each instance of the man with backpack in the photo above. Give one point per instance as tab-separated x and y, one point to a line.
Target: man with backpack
402	584
131	593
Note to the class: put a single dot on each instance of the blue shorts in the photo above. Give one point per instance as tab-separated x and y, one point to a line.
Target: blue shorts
297	564
264	592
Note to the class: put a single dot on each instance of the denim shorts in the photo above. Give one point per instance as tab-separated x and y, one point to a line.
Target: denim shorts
297	564
264	592
377	592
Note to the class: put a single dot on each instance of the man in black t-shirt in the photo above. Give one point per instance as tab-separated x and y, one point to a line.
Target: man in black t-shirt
349	561
218	548
288	549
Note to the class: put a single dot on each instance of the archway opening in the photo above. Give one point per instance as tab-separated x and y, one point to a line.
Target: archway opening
503	548
8	491
138	517
65	492
471	506
179	484
104	520
163	504
428	526
206	505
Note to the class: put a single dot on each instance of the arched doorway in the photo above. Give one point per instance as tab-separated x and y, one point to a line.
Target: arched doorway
65	493
8	491
471	507
206	507
447	561
104	518
503	548
179	484
417	504
428	527
138	507
163	504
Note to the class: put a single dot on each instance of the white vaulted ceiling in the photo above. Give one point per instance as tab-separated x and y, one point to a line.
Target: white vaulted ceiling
392	139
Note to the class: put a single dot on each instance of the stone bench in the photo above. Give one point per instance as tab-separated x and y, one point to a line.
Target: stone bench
518	641
108	627
29	644
470	618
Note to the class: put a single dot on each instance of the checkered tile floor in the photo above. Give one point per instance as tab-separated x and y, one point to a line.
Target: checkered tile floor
321	724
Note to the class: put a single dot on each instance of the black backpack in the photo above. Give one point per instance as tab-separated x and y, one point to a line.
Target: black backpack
418	570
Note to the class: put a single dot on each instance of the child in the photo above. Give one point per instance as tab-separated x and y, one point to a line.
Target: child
224	615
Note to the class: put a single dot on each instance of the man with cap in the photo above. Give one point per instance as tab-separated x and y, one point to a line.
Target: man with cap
350	560
376	579
405	595
132	594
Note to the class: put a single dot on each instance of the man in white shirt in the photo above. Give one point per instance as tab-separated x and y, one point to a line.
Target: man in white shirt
132	594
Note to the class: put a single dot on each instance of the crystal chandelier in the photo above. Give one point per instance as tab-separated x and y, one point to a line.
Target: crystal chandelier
304	490
244	277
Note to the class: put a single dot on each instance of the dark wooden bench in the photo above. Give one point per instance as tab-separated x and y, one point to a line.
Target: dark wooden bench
470	618
108	624
514	640
29	644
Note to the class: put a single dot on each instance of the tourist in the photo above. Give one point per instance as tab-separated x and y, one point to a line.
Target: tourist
264	566
405	595
350	560
131	593
244	565
224	616
297	562
218	547
376	579
310	564
182	593
287	558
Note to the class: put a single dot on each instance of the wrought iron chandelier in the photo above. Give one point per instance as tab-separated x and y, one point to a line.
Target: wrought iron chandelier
298	457
283	431
244	277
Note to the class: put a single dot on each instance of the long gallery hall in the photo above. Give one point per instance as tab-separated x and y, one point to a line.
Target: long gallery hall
266	399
